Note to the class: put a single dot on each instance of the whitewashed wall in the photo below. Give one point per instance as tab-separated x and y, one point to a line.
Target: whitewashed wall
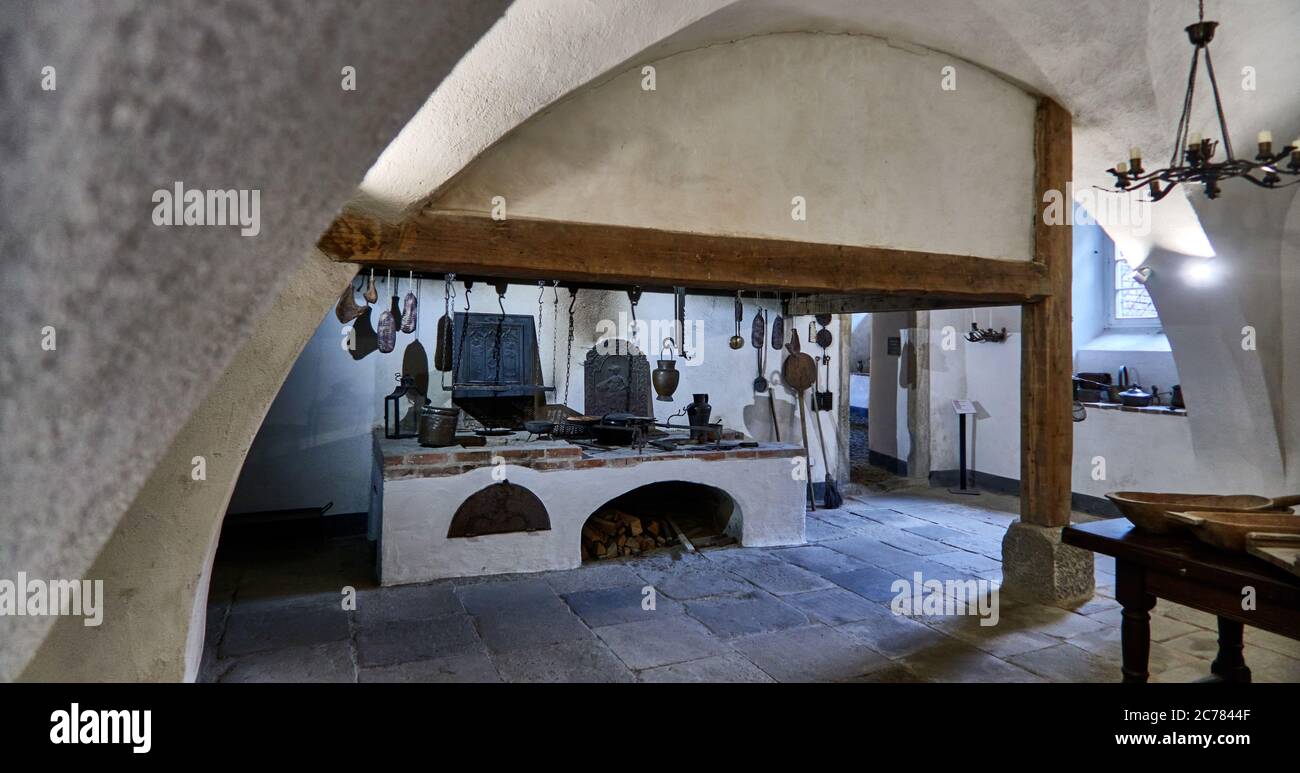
732	132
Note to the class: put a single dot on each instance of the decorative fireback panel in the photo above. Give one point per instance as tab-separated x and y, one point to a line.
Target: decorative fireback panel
501	508
481	361
614	383
496	368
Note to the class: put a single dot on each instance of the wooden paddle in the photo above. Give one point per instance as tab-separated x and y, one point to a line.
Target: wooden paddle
800	372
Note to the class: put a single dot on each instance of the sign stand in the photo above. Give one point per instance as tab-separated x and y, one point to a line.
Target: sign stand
962	408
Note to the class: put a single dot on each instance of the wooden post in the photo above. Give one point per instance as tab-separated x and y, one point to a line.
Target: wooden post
1046	433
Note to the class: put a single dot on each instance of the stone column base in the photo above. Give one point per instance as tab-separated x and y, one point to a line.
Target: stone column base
1037	566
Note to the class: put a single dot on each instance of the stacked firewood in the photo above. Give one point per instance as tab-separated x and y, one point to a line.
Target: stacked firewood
614	534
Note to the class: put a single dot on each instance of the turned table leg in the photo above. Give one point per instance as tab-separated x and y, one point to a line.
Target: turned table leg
1230	664
1135	627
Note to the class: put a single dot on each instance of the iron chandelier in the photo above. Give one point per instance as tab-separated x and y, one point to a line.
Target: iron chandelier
1197	152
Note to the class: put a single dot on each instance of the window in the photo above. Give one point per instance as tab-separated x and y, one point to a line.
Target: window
1129	303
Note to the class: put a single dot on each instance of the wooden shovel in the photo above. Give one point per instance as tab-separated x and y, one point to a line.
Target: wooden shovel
799	371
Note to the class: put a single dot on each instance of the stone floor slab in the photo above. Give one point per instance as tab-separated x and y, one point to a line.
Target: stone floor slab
729	669
821	531
660	642
870	550
961	539
895	636
955	661
814	654
833	606
476	668
1001	640
966	561
592	577
869	583
314	619
819	559
695	581
487	598
529	627
407	602
330	662
755	612
905	541
1067	663
587	660
1052	621
610	606
1105	643
397	641
768	572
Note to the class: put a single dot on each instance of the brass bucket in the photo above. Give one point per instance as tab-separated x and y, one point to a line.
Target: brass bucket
438	426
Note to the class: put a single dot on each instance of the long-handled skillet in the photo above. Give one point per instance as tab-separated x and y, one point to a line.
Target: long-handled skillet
799	371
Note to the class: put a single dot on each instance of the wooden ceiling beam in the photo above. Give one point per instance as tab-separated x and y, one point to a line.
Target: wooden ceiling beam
857	303
522	249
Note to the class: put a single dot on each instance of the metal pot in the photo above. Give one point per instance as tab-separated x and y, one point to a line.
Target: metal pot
539	427
438	426
1134	397
697	413
666	376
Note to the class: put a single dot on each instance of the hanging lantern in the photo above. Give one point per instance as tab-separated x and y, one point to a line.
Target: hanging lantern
405	391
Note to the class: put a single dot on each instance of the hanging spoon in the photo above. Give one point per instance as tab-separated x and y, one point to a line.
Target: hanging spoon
736	341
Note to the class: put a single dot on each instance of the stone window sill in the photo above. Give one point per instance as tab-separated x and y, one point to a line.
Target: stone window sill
1162	410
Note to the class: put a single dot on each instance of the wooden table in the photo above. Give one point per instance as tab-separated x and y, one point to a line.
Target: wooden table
1180	568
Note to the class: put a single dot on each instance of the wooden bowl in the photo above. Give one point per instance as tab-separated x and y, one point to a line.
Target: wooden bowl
1148	510
1227	529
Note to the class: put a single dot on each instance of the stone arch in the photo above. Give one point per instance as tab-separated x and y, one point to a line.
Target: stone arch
500	508
691	504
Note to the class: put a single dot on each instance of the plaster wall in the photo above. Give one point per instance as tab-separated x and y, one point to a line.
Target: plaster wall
418	512
1138	451
313	449
733	132
148	318
860	345
157	563
888	398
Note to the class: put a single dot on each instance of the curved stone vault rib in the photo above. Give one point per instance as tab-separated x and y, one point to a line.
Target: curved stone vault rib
150	319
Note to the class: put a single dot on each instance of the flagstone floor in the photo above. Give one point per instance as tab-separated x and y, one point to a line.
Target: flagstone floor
817	612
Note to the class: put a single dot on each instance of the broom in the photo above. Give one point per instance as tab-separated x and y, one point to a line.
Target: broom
831	498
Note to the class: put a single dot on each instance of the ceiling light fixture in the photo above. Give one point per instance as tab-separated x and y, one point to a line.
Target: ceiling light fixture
1198	152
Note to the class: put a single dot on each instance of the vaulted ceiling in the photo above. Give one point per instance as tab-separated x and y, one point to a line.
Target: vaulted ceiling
1118	65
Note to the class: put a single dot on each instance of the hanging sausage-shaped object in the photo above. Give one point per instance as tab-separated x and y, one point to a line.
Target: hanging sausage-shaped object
778	331
386	330
409	305
395	308
347	309
371	295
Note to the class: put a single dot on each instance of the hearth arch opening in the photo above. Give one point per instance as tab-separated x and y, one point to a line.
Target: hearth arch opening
500	508
657	516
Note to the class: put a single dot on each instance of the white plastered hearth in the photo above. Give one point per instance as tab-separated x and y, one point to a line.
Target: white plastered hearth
417	513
